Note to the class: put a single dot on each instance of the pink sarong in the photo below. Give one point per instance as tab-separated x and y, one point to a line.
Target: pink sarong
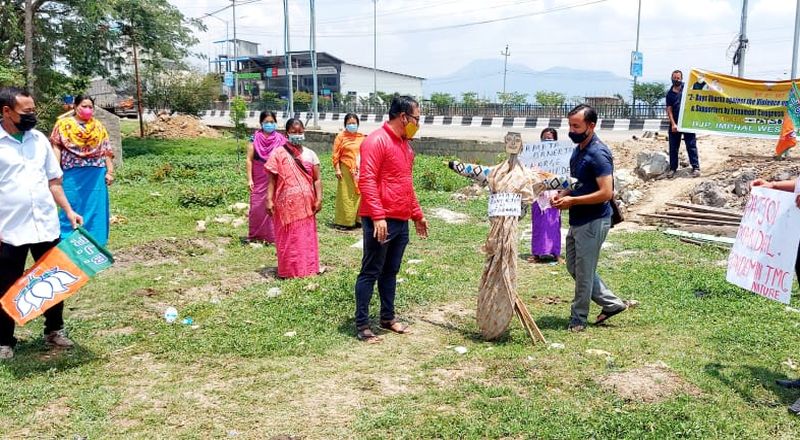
261	227
297	248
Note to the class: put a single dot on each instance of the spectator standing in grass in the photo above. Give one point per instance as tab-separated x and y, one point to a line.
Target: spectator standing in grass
294	197
346	161
265	140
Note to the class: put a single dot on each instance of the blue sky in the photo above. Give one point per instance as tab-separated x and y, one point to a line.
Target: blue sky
435	38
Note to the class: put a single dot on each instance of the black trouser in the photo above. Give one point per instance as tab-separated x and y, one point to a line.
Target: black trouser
12	266
691	149
380	263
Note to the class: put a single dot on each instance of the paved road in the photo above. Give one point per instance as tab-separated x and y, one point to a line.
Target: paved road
477	133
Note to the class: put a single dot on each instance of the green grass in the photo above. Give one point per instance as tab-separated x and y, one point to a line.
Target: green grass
134	376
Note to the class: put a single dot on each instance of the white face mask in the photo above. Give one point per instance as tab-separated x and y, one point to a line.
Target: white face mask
297	139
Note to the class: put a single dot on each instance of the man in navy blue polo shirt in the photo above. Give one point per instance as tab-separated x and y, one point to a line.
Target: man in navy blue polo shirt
589	218
674	96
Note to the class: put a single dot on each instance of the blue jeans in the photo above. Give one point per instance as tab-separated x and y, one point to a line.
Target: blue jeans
381	263
691	149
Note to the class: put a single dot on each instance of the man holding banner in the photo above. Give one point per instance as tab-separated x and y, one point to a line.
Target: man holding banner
30	189
674	97
788	186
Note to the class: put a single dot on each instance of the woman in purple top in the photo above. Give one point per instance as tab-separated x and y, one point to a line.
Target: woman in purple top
265	141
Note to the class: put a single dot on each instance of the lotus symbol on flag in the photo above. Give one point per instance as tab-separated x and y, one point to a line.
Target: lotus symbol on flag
43	288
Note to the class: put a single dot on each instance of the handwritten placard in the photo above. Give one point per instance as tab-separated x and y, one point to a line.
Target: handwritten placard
505	205
549	156
763	256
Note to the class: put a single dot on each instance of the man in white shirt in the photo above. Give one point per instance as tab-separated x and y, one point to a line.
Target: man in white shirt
30	189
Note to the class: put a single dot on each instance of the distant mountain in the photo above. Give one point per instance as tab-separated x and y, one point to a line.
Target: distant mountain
486	78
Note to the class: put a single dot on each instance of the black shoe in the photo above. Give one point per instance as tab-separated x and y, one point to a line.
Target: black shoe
786	383
795	408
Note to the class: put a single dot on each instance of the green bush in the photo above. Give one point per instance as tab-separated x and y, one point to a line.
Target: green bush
432	174
202	198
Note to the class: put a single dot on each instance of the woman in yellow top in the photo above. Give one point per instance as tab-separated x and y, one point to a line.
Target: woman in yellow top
346	161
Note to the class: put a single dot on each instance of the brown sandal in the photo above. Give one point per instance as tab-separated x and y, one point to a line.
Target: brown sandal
365	334
395	326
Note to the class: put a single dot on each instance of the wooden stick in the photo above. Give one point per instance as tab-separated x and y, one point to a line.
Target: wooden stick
527	321
699	215
703	237
703	208
693	220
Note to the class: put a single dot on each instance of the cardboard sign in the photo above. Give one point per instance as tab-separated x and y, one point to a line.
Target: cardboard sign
548	156
763	256
59	274
505	205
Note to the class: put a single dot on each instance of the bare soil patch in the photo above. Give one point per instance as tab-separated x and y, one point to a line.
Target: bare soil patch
167	251
649	384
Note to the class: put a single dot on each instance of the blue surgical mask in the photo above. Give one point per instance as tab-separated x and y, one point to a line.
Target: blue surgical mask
352	128
269	127
297	139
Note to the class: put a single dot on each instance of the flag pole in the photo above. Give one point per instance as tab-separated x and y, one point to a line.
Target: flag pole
795	41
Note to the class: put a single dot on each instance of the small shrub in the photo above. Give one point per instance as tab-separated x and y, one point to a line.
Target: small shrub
161	172
201	197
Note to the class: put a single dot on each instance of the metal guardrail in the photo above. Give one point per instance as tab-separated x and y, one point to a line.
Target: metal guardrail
615	111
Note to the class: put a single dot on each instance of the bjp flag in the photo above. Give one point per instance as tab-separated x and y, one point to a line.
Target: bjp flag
791	120
59	274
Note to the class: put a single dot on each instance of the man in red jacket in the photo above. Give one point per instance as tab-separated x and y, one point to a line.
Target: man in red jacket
388	201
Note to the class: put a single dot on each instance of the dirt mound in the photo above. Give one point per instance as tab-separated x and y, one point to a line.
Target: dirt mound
650	384
179	127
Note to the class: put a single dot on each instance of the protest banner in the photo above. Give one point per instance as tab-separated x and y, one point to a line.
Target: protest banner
791	122
505	205
59	274
763	256
726	105
548	156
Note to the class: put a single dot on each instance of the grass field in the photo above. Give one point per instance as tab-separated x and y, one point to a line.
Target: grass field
256	366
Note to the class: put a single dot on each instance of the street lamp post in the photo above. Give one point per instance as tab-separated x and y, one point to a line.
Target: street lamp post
288	57
313	46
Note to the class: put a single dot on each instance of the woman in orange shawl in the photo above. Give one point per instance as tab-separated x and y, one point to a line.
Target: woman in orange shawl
346	151
82	146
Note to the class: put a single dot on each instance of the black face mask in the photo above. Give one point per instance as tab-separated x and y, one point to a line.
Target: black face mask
578	137
27	121
676	82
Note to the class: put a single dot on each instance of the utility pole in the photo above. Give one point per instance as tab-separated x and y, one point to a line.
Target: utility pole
287	49
375	49
796	38
235	54
29	80
739	58
638	26
506	54
313	46
138	83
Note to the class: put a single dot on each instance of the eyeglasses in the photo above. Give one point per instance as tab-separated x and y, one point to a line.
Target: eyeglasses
416	118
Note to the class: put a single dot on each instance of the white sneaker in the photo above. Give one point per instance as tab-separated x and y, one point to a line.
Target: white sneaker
58	338
6	352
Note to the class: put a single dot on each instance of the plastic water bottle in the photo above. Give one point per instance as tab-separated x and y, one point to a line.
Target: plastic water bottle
170	315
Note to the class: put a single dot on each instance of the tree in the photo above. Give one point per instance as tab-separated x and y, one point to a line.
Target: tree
471	99
442	100
80	37
551	99
187	93
512	98
652	93
302	100
238	115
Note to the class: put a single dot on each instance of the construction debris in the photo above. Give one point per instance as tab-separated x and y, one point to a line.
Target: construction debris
167	126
